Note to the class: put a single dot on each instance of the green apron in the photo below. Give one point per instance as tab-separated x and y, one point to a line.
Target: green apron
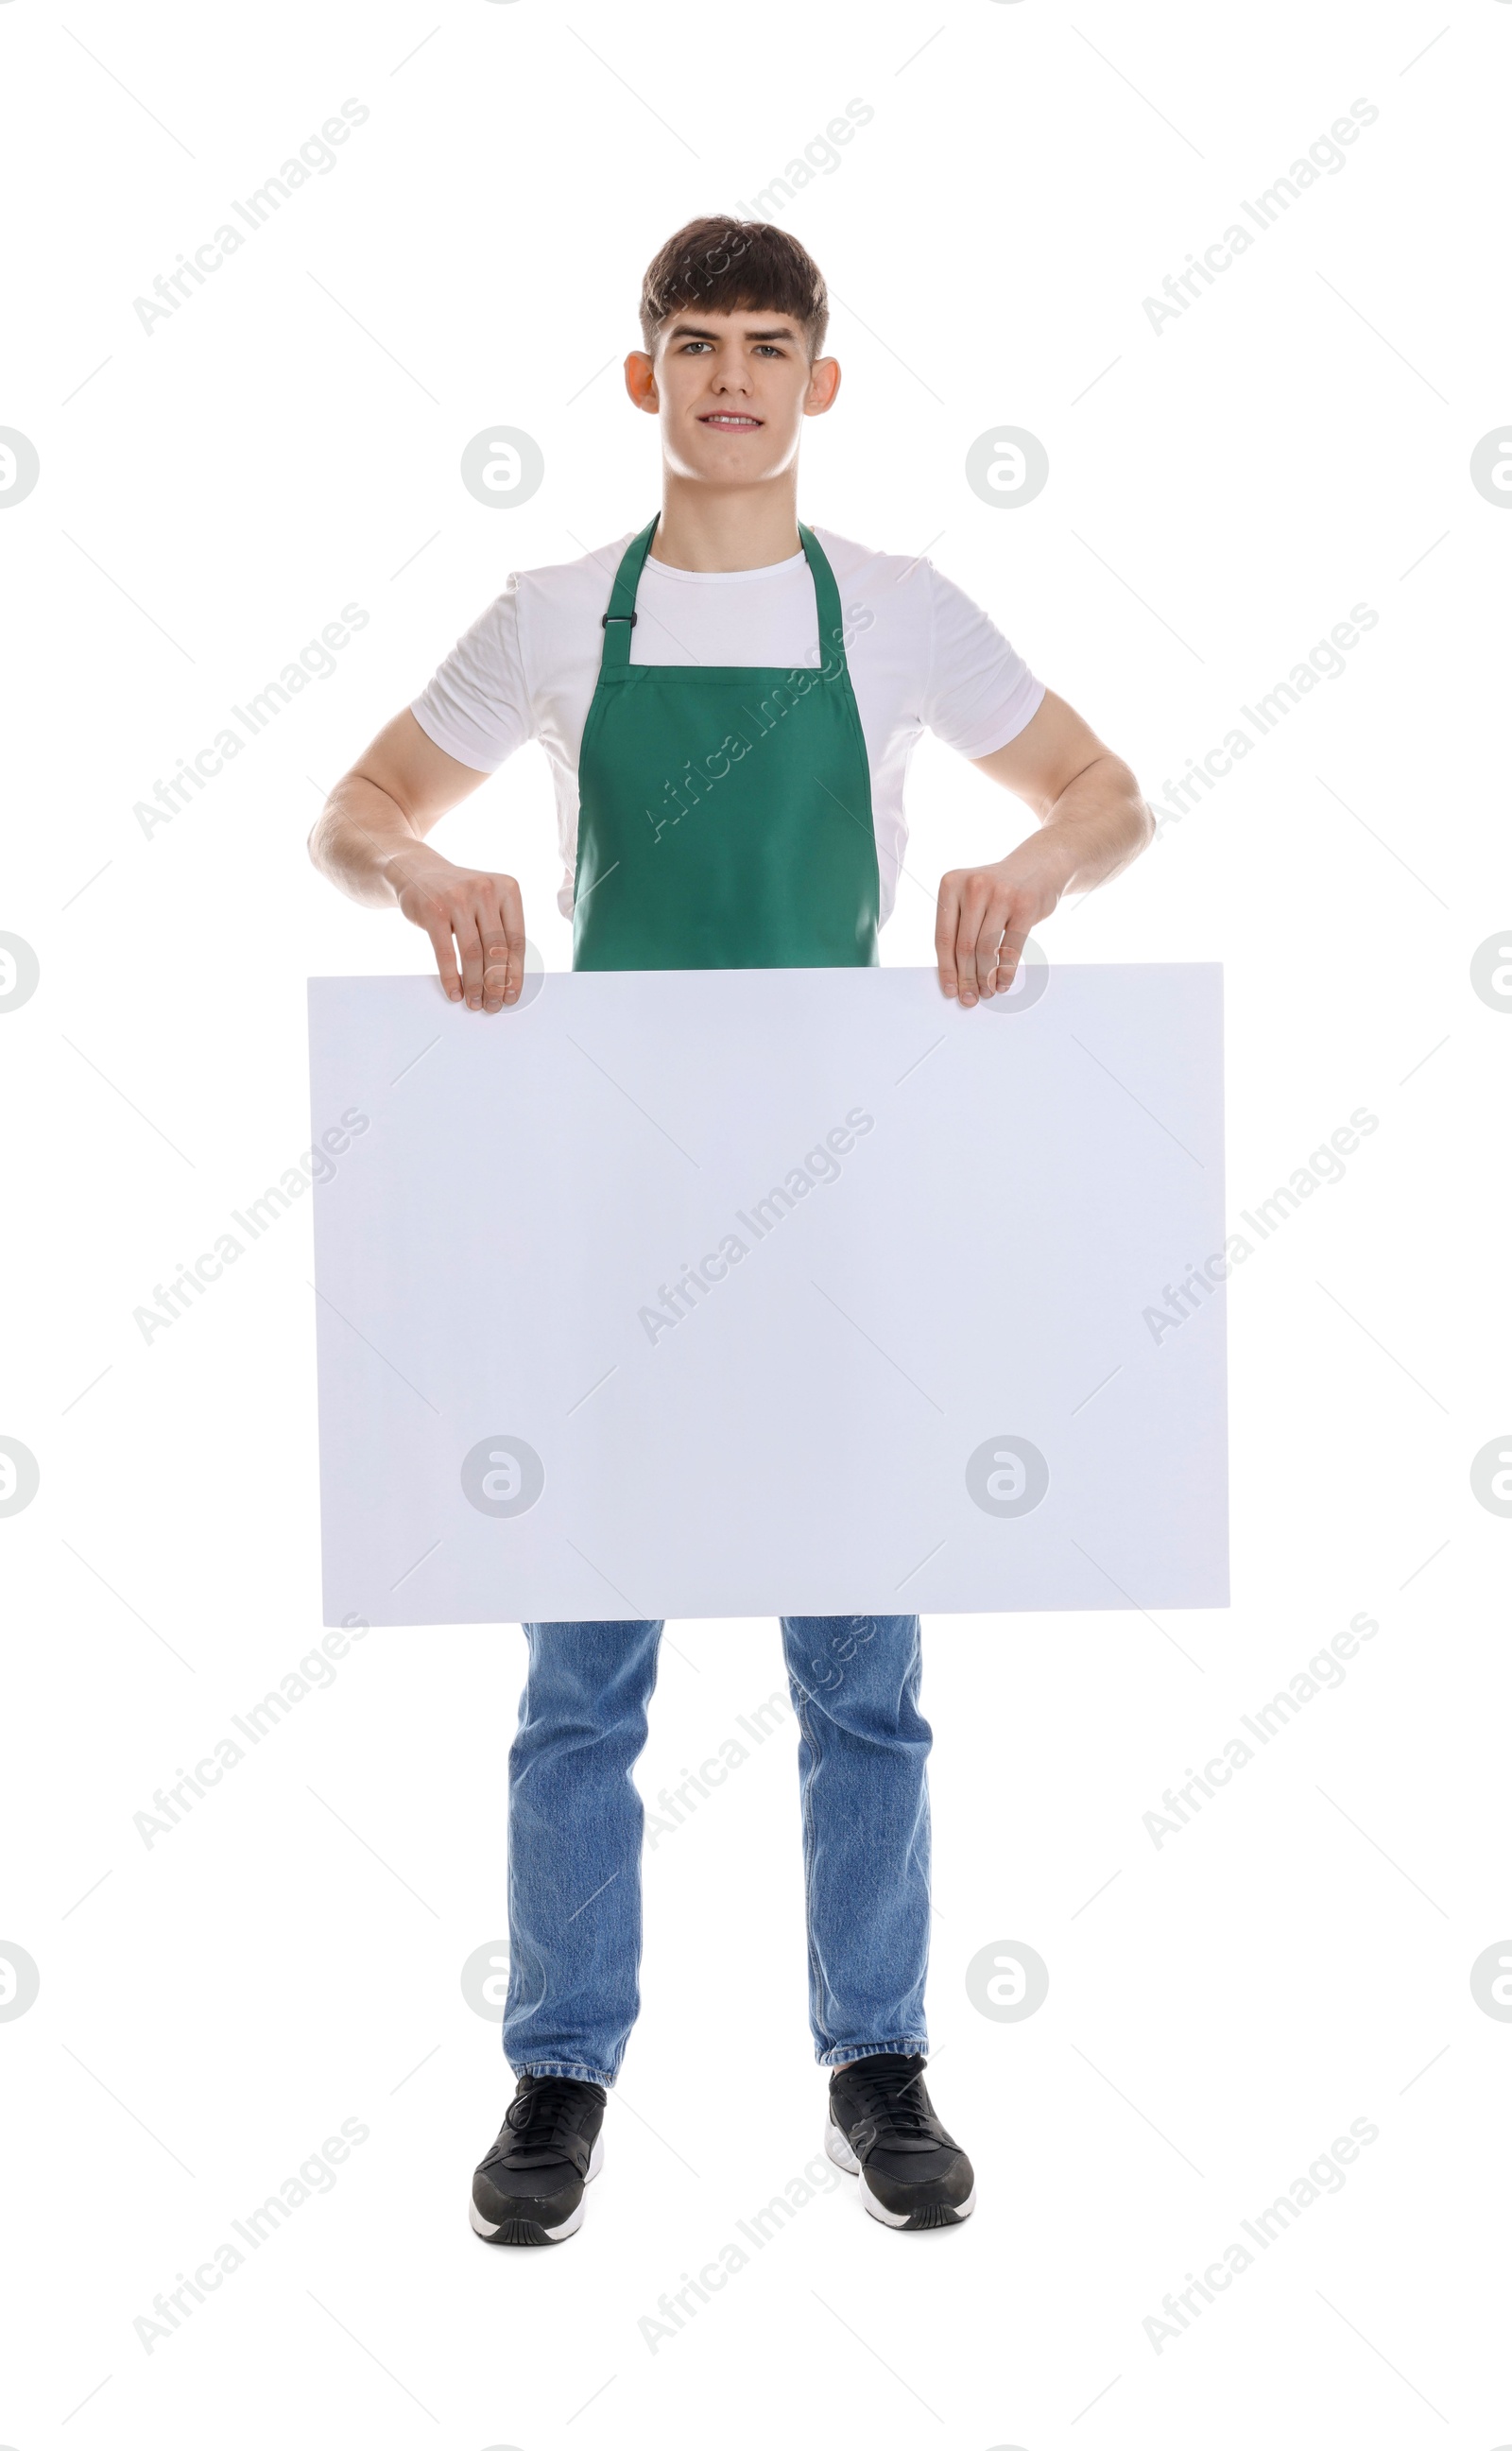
725	818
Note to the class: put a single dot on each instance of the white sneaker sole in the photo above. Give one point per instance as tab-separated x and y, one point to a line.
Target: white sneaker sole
838	2148
563	2229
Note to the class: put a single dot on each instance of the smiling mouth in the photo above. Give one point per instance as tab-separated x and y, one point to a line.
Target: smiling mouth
734	419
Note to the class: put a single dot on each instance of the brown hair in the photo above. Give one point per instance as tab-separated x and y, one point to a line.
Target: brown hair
723	265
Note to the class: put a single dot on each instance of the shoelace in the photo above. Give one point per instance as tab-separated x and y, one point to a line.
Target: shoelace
893	2104
540	2116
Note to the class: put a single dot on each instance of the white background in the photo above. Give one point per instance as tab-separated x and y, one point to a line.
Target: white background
1220	496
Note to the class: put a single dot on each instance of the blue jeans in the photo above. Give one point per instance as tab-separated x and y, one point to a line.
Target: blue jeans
574	1839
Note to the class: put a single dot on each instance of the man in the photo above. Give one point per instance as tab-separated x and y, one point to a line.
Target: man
728	700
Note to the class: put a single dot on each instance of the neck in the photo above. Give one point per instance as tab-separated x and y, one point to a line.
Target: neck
734	527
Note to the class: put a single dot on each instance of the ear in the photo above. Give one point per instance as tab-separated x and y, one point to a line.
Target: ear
640	382
824	382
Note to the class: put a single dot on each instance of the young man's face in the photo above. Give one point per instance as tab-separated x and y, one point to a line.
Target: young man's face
731	392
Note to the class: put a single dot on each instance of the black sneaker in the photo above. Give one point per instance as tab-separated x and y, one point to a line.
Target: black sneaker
528	2189
882	2125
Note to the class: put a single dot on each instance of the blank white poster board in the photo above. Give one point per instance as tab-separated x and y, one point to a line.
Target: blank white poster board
771	1292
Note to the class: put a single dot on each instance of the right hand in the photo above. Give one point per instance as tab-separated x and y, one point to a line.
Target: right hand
476	922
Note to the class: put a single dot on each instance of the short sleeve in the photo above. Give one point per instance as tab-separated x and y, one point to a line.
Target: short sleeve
980	692
477	705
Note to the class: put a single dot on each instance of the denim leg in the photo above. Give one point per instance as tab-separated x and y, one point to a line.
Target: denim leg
862	1752
574	1848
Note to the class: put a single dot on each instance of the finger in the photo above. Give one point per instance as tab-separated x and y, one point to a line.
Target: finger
968	930
496	971
999	941
500	977
1014	938
468	930
511	925
498	988
989	937
503	929
438	925
947	914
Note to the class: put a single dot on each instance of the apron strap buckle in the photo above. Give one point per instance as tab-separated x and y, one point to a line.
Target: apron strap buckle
630	617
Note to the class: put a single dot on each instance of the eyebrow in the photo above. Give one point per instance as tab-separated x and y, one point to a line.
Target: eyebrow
701	332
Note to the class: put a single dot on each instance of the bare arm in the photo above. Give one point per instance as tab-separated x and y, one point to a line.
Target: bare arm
1092	823
370	840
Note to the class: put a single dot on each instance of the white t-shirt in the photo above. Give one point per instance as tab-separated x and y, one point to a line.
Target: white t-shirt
921	655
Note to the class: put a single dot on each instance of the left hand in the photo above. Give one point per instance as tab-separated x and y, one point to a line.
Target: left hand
984	915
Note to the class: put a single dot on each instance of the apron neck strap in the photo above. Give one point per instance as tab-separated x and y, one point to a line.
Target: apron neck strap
620	617
826	596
